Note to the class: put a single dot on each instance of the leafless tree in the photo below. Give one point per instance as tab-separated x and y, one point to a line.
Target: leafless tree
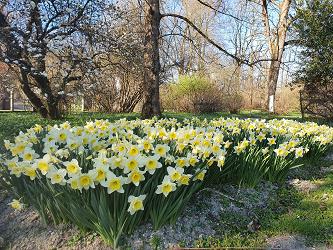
39	35
276	38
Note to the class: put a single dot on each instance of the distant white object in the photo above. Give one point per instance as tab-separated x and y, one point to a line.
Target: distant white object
33	4
118	85
82	104
271	104
11	100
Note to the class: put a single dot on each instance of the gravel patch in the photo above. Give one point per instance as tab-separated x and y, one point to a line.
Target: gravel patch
200	219
329	157
303	186
24	230
203	214
287	242
327	170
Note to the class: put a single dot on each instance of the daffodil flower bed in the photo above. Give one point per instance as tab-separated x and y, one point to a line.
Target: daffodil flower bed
110	177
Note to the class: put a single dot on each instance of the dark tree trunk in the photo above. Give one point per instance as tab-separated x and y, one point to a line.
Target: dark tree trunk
49	109
53	109
301	103
151	98
5	104
51	102
35	101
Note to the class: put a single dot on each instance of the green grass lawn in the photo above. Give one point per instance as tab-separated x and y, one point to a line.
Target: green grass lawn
290	212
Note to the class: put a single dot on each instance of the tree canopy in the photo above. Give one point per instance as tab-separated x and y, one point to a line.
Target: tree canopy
314	28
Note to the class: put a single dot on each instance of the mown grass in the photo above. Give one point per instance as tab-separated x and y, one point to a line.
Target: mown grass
290	212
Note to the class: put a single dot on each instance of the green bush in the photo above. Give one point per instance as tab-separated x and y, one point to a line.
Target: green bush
193	93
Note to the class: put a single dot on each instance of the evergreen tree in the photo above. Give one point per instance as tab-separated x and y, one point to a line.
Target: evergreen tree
314	28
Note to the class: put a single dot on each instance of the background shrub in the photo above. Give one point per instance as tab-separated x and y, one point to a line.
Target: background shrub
193	93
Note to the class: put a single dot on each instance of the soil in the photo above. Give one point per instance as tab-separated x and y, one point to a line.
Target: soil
24	230
292	242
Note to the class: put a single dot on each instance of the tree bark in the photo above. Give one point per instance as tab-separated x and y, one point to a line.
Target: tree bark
53	109
251	85
273	76
33	98
48	108
276	42
151	58
5	101
11	100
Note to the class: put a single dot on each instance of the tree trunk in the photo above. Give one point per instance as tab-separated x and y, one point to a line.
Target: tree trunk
301	103
5	101
251	85
49	109
237	75
151	98
53	111
276	42
11	100
34	100
51	102
273	76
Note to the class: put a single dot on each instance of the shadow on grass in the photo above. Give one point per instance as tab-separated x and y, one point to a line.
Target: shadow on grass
312	217
290	212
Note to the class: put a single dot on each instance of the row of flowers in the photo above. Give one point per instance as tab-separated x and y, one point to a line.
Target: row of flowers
123	173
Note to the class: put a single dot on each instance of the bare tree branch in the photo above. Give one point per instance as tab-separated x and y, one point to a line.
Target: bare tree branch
240	60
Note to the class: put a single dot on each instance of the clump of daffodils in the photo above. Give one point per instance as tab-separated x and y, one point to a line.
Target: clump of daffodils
144	166
108	155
